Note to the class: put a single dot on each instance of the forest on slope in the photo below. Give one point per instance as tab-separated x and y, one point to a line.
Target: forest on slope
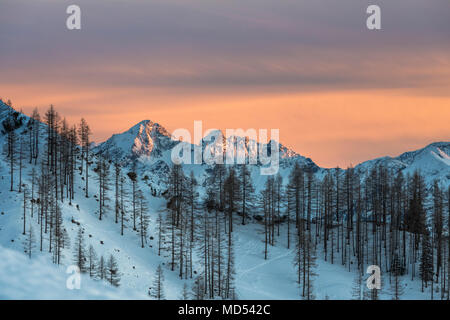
203	230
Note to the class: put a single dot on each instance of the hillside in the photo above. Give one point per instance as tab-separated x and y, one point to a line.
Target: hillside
145	148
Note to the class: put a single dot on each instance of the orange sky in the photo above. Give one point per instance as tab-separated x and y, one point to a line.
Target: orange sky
333	128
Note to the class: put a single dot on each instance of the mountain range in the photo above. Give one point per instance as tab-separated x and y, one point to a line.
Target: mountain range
149	145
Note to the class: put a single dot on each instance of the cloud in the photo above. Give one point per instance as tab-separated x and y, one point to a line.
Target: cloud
175	61
227	45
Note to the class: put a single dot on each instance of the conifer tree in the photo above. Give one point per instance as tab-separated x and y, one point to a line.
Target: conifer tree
247	190
161	231
232	196
397	288
143	217
133	177
117	207
198	288
25	207
158	284
358	289
11	147
84	132
34	150
80	251
426	260
59	235
185	292
438	225
21	161
92	262
29	242
123	196
103	179
112	271
102	268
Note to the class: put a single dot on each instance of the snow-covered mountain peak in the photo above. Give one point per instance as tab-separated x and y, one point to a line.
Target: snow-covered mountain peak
438	150
433	161
148	126
143	140
287	152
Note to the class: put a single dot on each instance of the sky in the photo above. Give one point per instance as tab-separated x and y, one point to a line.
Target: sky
338	92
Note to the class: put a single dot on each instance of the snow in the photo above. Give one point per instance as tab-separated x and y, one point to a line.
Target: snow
433	162
24	278
139	140
256	278
276	278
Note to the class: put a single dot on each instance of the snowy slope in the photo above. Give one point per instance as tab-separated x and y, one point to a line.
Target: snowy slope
149	145
275	278
22	278
433	162
137	265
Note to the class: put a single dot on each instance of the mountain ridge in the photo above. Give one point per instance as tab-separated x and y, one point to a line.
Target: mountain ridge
149	143
433	159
